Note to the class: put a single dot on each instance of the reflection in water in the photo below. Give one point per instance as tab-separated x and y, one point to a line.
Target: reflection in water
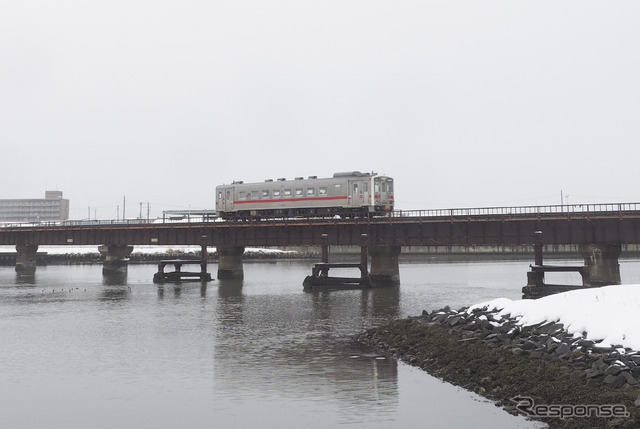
115	293
25	279
230	288
117	353
178	288
114	278
302	346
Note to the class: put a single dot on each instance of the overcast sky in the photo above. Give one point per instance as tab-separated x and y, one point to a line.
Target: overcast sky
464	103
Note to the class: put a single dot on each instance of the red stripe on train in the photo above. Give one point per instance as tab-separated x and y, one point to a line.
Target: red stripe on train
289	200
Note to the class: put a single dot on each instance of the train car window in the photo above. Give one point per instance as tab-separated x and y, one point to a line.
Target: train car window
299	192
242	195
249	195
311	191
265	194
287	192
390	185
384	186
355	188
322	190
276	193
219	195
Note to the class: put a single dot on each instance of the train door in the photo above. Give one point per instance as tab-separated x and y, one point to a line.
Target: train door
367	193
228	199
224	202
356	190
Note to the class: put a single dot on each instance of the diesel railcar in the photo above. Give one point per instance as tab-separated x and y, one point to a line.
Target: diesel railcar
345	194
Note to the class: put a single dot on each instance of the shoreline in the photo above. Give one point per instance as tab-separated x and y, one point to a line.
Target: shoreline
540	365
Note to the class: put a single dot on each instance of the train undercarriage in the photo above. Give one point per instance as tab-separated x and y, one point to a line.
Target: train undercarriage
293	213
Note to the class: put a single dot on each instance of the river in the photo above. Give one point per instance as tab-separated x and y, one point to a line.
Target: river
82	351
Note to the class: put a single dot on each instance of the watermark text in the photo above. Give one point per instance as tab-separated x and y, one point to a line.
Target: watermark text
528	407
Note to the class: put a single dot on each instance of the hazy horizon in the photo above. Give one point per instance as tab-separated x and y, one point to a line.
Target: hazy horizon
465	104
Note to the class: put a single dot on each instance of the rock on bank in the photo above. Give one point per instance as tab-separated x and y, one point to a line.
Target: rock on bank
502	360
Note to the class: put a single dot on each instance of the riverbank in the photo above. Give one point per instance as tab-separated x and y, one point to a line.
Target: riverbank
140	254
540	369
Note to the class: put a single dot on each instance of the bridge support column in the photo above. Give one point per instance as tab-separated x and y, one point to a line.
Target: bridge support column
116	257
602	262
26	258
385	270
230	262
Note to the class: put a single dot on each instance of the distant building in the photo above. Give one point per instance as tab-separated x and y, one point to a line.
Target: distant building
50	209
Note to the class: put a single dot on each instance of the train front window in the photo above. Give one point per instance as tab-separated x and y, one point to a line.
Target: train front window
376	186
390	184
384	186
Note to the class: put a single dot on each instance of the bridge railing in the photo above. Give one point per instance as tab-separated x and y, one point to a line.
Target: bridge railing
567	211
81	222
570	210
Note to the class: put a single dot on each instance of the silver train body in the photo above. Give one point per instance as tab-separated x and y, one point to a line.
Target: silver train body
345	194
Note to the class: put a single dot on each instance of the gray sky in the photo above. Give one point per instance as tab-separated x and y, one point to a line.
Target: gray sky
464	103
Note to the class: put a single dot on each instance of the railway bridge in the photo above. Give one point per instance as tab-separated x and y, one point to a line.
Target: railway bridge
598	229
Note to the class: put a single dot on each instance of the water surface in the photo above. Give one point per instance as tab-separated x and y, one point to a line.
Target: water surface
78	350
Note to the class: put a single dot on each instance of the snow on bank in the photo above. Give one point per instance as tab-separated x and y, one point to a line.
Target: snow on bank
608	315
147	250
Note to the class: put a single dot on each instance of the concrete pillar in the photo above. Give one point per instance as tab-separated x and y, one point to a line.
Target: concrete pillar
602	262
26	258
230	262
116	257
385	270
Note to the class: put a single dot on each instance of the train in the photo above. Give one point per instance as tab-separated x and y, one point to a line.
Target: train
345	194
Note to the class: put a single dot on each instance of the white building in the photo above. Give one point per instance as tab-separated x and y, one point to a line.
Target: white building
52	208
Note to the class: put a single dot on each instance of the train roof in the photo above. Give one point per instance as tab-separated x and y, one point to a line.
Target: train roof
338	175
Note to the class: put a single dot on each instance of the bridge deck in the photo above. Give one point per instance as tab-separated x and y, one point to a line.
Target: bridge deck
500	226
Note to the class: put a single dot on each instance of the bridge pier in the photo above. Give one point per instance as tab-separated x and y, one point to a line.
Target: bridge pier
230	262
602	263
116	257
26	258
385	270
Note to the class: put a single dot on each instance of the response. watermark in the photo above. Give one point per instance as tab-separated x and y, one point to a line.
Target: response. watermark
528	407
